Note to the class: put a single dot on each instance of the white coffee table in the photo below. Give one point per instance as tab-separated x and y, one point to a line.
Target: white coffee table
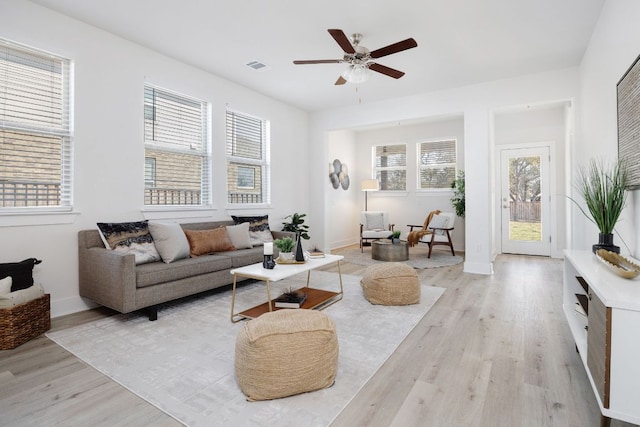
316	298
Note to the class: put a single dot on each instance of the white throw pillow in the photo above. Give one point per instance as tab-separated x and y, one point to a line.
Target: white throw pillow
239	235
5	285
170	241
375	221
15	298
439	221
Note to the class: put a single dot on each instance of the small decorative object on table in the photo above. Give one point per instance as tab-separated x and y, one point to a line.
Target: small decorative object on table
395	237
285	245
268	261
620	265
290	299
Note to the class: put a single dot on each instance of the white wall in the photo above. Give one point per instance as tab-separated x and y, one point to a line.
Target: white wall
341	204
475	104
109	152
614	46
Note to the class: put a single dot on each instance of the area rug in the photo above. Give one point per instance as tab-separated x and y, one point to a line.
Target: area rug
183	363
417	257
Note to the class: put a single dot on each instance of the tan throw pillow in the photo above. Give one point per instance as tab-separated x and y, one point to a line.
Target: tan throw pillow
203	242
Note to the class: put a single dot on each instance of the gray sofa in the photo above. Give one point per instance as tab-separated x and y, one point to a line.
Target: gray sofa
114	280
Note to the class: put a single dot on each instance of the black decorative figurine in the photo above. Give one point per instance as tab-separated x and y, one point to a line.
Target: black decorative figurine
299	252
268	262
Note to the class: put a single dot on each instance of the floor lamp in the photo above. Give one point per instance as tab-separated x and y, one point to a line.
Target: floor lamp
369	185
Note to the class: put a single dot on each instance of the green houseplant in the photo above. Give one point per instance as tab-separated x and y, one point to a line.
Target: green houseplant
603	188
285	245
395	237
297	225
458	194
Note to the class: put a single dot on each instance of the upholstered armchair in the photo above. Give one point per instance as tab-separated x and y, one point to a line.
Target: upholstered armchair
436	230
374	225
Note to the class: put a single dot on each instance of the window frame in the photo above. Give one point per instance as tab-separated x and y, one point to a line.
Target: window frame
264	163
376	170
41	129
166	147
420	167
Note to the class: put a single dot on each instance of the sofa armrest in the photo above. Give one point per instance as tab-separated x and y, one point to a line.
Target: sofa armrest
282	234
108	278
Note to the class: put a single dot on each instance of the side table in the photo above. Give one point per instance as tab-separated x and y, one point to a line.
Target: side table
384	250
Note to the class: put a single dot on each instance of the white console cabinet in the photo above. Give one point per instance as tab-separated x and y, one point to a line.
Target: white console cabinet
603	312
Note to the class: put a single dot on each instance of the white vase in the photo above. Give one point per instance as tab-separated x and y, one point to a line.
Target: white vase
287	256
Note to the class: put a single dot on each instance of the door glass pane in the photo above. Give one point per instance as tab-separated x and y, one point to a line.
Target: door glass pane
524	199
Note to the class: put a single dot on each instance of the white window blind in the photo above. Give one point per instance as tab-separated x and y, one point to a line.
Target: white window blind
248	163
390	165
35	129
177	160
436	164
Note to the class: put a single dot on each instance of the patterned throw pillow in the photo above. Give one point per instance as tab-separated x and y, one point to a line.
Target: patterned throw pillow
131	238
202	242
259	231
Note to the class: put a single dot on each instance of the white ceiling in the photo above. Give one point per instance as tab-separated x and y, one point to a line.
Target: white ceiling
460	42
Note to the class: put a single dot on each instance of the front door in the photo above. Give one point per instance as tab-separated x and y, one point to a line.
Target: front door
525	201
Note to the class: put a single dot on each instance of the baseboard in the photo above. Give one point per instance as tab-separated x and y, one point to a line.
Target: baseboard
478	267
64	306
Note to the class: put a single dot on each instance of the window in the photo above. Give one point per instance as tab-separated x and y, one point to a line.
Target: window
436	164
177	159
247	159
35	129
390	165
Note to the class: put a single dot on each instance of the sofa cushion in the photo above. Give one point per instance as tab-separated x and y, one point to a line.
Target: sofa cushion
202	242
258	228
5	285
159	272
245	256
130	237
170	240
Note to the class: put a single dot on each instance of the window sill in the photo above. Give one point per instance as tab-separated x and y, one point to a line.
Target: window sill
434	192
174	212
27	217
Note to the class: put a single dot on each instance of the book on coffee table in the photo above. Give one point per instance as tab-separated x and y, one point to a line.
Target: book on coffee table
290	300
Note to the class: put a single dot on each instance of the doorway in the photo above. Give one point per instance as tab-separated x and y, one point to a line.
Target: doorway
525	200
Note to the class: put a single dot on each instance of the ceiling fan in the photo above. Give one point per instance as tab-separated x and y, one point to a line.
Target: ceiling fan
360	59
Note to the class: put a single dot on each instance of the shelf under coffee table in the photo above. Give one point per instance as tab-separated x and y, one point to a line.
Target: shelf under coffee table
316	298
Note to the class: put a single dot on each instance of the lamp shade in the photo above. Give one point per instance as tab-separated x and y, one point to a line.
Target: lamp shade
370	185
356	73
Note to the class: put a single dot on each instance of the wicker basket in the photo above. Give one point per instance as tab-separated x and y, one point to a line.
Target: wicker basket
23	322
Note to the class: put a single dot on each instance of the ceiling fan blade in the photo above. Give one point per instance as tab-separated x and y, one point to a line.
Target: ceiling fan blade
394	48
319	61
340	81
386	70
342	40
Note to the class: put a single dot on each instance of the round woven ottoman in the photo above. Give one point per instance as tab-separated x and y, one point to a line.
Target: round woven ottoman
286	352
391	283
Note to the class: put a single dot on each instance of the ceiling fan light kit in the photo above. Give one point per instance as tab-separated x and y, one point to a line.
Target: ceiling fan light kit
360	59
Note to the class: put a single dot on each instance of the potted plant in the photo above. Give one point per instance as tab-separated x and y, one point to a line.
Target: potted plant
285	246
395	237
603	188
458	194
297	225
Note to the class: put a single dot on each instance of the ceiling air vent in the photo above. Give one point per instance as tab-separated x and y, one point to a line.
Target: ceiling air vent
258	66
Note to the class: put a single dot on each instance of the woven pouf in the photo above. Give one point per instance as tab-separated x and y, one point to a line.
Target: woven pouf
286	352
391	283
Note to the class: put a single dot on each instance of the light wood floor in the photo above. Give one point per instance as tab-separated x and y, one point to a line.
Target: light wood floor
493	351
